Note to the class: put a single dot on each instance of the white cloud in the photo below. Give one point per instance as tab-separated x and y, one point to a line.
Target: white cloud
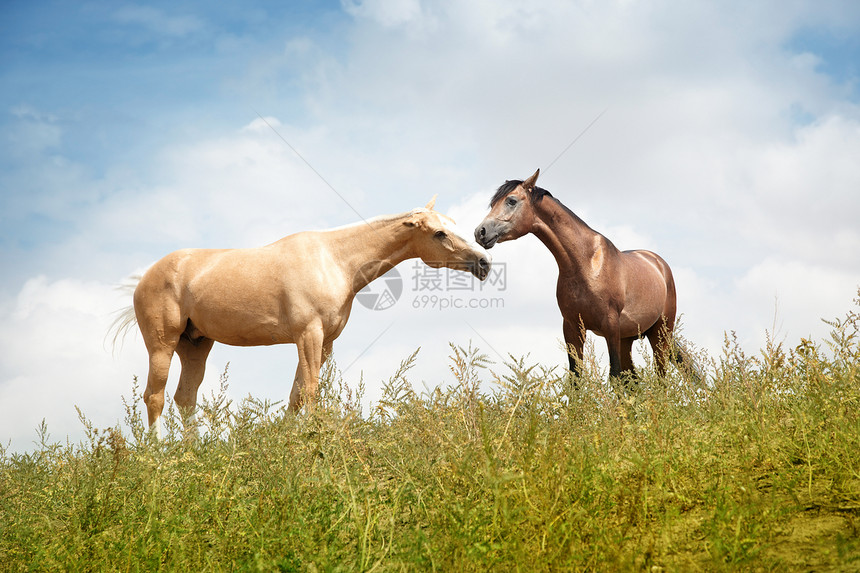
806	194
35	132
797	295
242	189
388	13
54	358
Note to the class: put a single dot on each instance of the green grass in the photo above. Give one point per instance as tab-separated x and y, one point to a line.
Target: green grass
755	468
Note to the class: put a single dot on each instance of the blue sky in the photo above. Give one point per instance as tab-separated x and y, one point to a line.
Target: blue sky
729	145
104	86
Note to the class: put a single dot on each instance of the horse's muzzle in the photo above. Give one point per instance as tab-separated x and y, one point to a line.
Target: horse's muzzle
482	268
486	238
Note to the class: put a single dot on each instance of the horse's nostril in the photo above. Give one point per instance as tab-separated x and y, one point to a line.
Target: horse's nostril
480	233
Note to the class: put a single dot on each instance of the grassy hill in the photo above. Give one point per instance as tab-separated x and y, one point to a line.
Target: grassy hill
754	467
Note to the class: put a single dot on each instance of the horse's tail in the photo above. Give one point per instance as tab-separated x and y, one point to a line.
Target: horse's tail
125	317
684	360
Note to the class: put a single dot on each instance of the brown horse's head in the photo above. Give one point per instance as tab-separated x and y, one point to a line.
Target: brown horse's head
511	215
439	243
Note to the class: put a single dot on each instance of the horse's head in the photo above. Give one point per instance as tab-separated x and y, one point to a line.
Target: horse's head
511	214
439	243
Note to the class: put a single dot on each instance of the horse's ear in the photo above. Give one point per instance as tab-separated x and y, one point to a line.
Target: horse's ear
431	203
529	184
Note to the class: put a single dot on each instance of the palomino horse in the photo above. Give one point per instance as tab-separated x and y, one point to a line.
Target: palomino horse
297	290
619	295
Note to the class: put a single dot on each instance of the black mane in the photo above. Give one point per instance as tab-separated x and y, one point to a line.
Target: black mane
537	194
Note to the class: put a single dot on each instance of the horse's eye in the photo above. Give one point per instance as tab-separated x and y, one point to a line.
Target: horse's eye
440	234
511	201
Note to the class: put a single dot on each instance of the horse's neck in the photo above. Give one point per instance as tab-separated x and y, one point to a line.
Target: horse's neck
369	249
569	239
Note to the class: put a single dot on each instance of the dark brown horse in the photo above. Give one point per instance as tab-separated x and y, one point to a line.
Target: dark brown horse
619	295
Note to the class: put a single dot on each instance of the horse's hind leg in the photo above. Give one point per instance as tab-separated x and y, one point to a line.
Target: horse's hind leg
160	356
660	337
192	355
160	327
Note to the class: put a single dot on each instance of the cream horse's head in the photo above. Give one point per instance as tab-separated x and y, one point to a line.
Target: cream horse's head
439	242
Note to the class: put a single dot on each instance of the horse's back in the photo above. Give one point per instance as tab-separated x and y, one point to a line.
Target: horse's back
241	297
168	275
644	263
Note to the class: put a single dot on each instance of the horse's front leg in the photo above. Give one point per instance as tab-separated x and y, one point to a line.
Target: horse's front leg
574	340
613	346
306	382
